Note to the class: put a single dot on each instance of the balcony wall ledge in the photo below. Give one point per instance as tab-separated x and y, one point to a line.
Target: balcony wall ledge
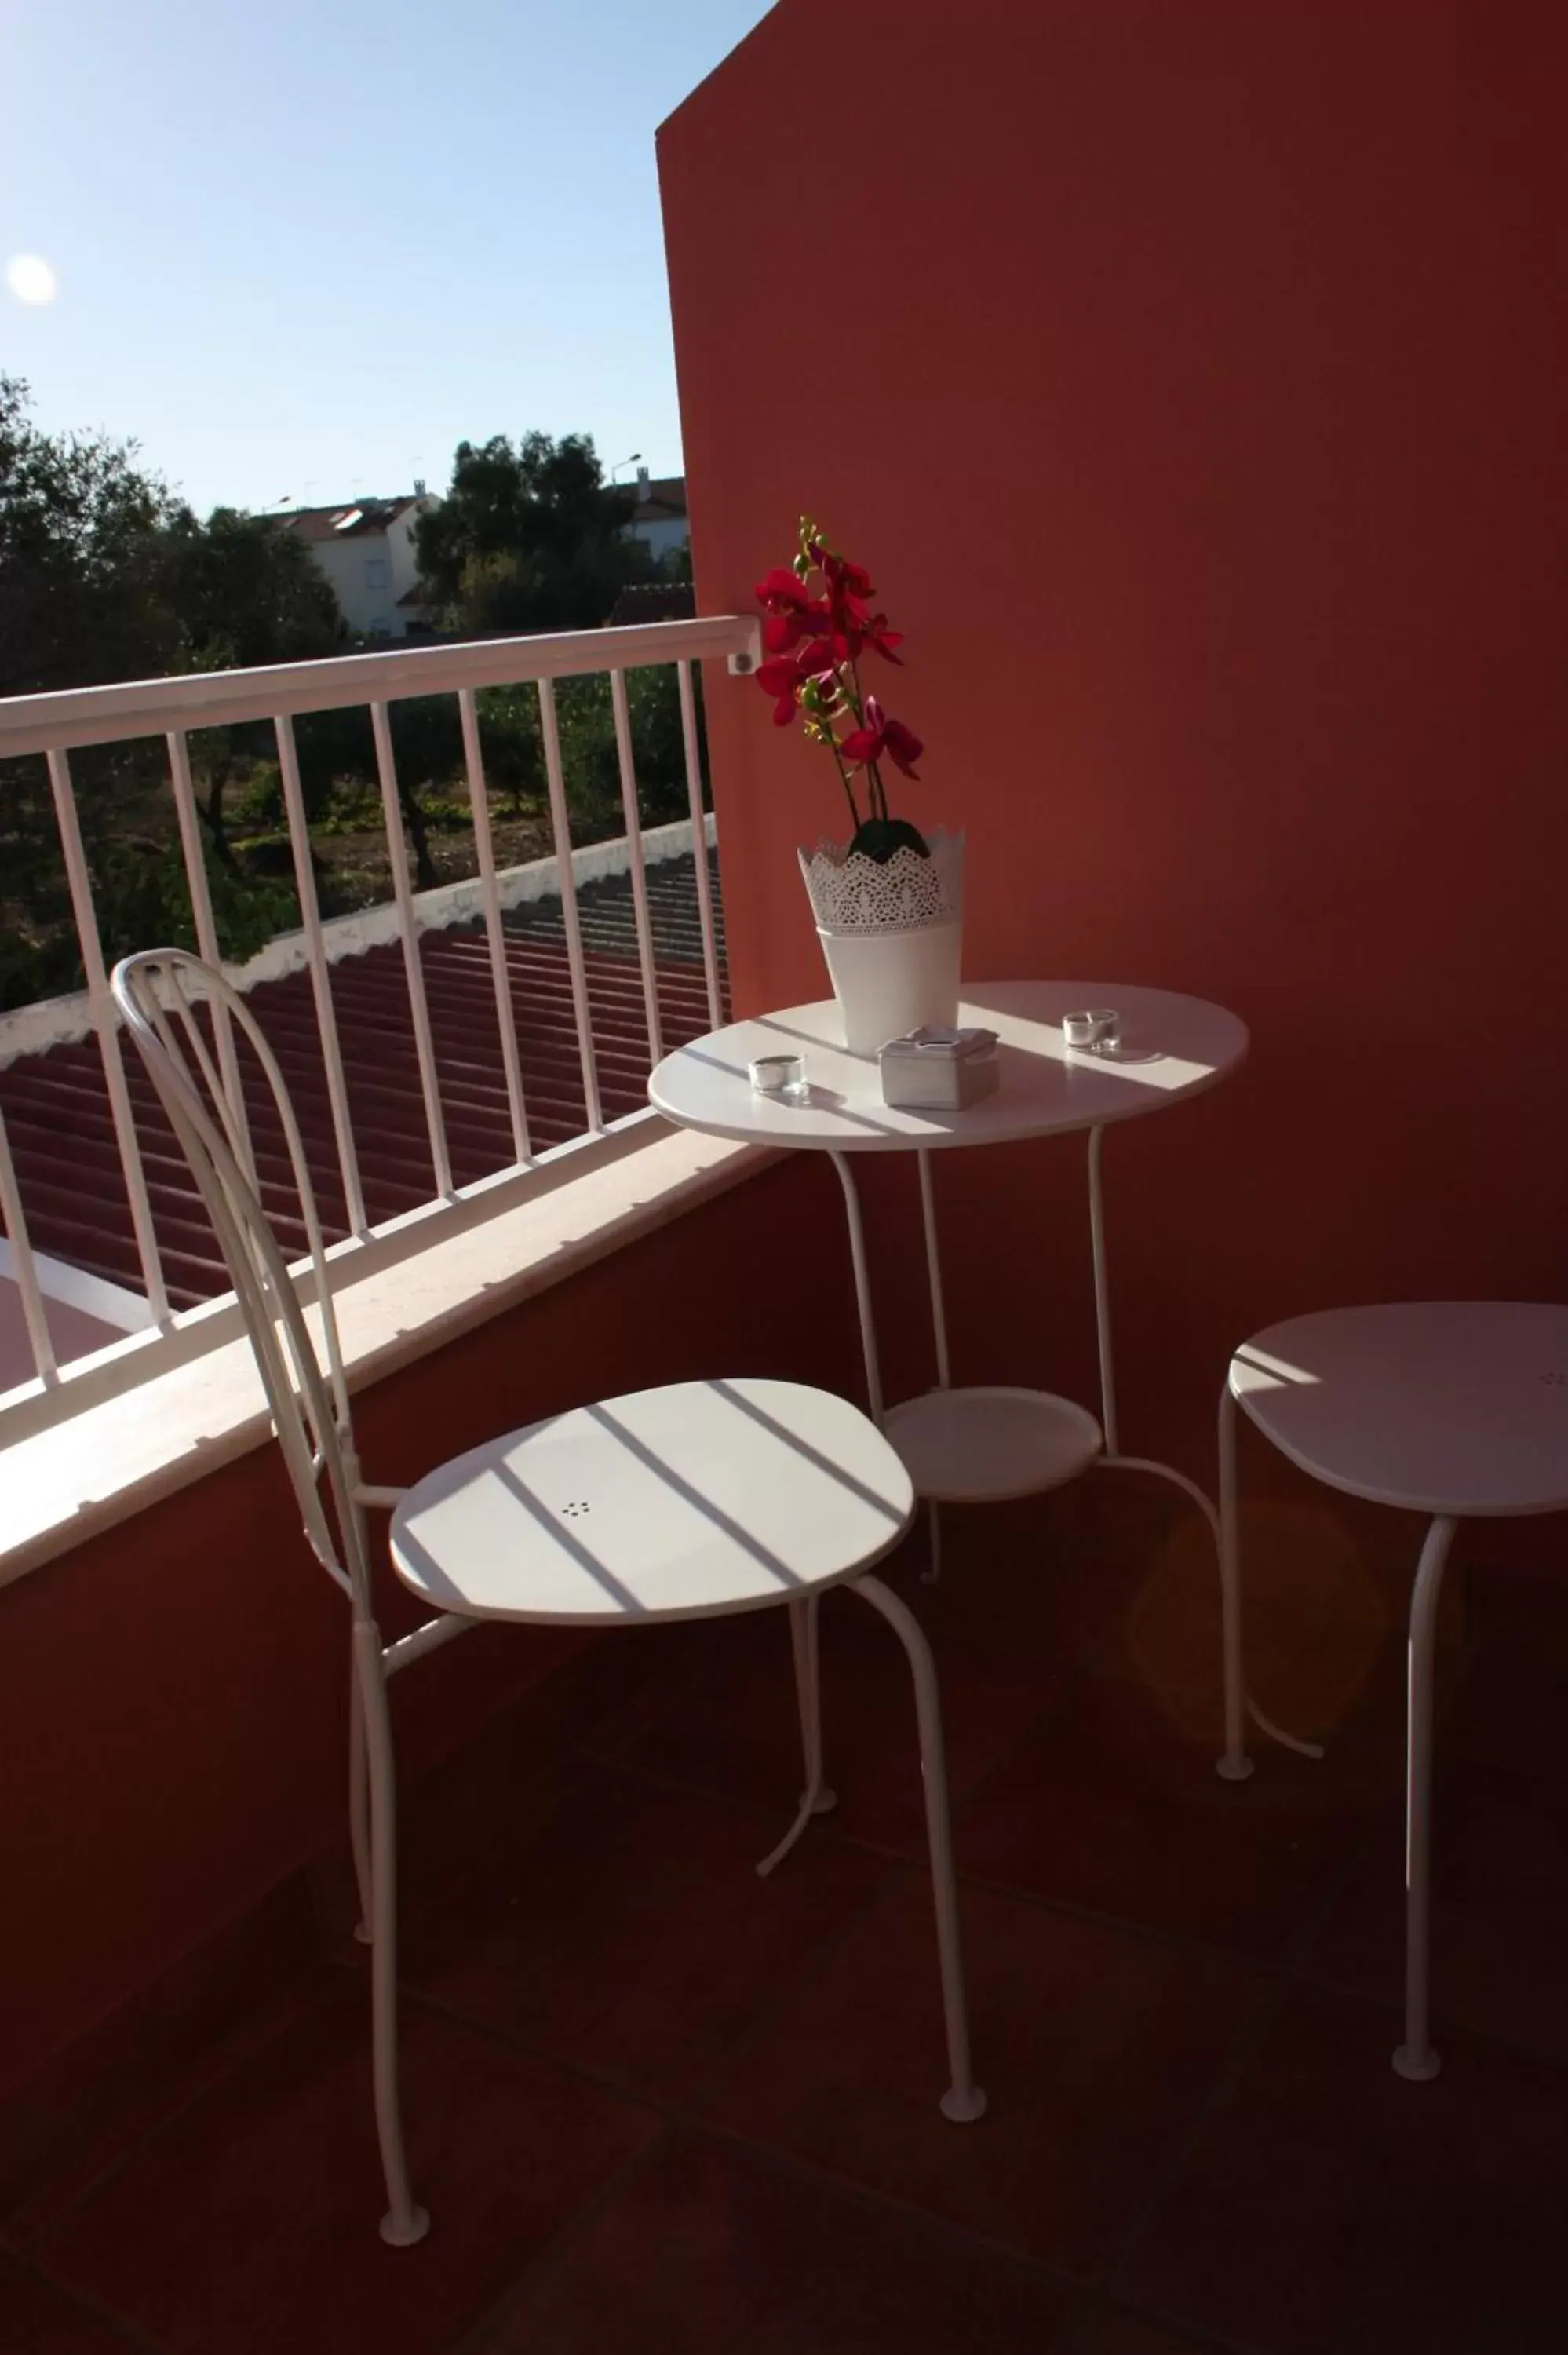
123	1453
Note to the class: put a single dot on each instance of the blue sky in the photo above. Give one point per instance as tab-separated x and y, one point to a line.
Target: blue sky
305	247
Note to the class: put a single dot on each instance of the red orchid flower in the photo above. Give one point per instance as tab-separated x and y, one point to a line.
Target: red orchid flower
877	633
876	735
844	579
849	588
781	593
783	680
819	657
813	641
783	630
858	629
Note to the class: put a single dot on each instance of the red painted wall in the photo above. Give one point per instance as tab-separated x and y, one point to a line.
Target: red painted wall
173	1696
1192	380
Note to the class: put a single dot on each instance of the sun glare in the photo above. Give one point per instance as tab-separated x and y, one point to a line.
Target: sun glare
31	279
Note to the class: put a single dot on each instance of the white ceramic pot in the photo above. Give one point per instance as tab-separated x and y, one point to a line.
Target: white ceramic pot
888	983
891	932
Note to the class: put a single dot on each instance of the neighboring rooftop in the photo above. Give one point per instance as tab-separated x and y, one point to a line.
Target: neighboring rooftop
659	496
62	1137
654	601
349	519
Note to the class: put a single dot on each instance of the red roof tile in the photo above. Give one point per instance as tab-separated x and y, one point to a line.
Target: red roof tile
62	1139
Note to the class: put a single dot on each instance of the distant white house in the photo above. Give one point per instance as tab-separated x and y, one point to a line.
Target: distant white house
365	548
659	519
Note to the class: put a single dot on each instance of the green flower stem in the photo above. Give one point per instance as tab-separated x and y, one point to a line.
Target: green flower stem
873	773
845	781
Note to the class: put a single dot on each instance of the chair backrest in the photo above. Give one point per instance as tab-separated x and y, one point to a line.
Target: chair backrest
158	991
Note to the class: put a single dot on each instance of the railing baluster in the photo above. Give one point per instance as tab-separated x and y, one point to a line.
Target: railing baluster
108	1030
700	843
635	855
484	853
321	977
560	822
408	926
34	1314
206	936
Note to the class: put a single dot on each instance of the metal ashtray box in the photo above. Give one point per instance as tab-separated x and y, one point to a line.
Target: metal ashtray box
938	1070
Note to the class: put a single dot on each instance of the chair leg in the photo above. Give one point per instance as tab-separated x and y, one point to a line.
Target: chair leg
1235	1766
359	1806
1415	2058
404	2221
816	1799
963	2100
933	1572
805	1639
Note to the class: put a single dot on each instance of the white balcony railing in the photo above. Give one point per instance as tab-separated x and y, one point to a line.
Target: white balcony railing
58	725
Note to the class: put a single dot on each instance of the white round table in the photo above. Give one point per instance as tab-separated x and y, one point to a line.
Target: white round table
969	1444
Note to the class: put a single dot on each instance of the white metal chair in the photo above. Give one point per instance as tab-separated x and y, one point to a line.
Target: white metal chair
1458	1410
698	1501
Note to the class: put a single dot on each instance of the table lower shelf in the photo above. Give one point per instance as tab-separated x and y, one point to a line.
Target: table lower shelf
980	1447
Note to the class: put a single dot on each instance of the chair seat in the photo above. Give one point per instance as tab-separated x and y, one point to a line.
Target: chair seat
1456	1407
686	1502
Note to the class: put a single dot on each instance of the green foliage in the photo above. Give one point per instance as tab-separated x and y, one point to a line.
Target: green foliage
513	745
529	537
140	890
242	591
81	539
104	575
592	764
142	896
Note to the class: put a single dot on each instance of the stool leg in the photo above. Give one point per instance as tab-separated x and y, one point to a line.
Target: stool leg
1235	1766
404	2221
963	2101
816	1799
933	1570
1415	2058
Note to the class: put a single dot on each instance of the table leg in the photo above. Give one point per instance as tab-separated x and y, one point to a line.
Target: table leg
933	1572
934	1271
1234	1766
840	1162
1102	1294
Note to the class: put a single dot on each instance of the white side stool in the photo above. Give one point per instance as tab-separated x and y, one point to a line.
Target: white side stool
1455	1409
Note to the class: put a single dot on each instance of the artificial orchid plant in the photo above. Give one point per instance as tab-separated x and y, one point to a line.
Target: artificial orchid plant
819	624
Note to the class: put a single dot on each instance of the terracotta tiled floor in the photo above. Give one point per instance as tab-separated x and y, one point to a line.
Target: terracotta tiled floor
658	2106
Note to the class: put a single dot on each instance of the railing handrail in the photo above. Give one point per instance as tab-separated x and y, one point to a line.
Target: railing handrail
220	698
